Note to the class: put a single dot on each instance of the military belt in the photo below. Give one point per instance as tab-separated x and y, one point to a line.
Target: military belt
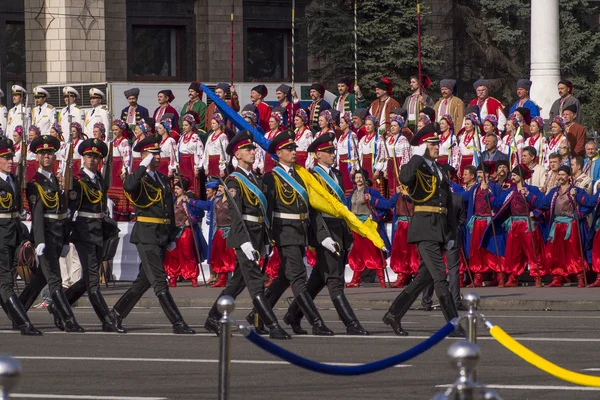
154	220
253	218
298	217
431	209
9	215
56	216
89	214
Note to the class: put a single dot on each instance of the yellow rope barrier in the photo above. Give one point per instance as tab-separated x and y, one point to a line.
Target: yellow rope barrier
537	361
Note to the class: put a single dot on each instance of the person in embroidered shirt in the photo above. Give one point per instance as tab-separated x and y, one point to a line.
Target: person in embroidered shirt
215	159
417	100
134	113
257	96
99	131
575	133
558	141
396	153
580	179
196	104
221	90
381	107
368	150
347	152
346	101
267	163
538	172
487	104
358	122
191	152
318	105
449	151
591	167
537	140
165	98
168	146
304	138
449	104
121	162
289	103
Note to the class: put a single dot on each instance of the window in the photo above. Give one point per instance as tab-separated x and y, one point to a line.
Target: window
15	50
267	55
155	52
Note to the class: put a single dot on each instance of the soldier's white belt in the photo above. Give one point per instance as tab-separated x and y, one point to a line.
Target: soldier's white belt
298	217
253	218
89	214
56	216
9	215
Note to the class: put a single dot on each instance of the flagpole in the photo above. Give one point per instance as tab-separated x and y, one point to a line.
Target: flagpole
355	42
293	42
231	56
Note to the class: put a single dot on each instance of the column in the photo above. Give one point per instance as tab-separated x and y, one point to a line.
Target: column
545	53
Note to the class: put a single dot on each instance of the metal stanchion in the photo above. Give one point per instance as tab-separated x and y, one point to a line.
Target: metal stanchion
464	356
225	305
10	374
473	301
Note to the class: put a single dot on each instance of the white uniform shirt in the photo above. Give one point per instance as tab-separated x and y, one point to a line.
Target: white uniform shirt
15	118
43	117
92	117
77	115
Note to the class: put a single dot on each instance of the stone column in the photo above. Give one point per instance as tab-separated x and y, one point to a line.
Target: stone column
545	53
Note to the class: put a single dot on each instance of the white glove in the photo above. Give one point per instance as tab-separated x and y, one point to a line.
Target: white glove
249	251
65	250
147	160
39	250
171	246
330	245
449	245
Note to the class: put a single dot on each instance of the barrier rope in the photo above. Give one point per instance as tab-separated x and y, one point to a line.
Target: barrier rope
369	368
539	362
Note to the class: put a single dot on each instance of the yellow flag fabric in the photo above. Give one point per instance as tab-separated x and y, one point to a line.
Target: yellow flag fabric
323	201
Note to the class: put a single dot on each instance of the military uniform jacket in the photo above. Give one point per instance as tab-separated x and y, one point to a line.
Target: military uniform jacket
43	117
237	235
291	232
15	118
3	118
337	227
46	198
93	116
12	231
90	197
428	226
151	198
77	115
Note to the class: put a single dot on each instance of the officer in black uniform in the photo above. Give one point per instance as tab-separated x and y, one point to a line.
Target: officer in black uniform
153	234
247	236
432	228
50	232
290	228
91	227
12	234
329	269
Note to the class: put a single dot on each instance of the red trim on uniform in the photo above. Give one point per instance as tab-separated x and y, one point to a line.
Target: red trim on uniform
241	144
283	144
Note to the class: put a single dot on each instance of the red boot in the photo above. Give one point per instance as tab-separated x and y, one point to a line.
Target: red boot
221	281
402	279
512	281
381	278
596	283
557	281
172	282
355	282
538	281
500	279
194	282
477	281
580	280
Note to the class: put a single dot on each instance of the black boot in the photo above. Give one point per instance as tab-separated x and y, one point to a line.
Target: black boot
64	311
123	307
397	310
17	314
344	310
450	312
264	310
101	308
254	320
56	317
212	321
312	315
172	312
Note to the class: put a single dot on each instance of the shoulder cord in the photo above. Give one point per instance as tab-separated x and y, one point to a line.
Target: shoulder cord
250	197
144	189
422	183
96	196
6	201
287	197
50	202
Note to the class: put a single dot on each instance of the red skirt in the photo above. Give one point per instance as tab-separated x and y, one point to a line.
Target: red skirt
564	255
480	259
442	160
273	266
364	254
466	160
301	157
222	259
378	184
121	209
181	261
596	253
520	250
186	168
404	258
213	165
347	183
393	179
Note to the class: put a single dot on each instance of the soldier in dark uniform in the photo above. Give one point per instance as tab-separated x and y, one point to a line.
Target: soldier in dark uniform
245	191
12	234
50	232
329	270
153	234
290	228
90	229
432	227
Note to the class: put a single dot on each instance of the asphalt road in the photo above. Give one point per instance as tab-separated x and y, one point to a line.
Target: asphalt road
152	363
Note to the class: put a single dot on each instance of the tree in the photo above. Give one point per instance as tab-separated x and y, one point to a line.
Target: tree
387	42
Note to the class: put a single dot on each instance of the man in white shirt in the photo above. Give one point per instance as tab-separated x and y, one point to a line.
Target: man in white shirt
72	112
43	114
538	172
19	114
98	113
3	114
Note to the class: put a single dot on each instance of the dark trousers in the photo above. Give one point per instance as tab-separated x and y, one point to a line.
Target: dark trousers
90	256
246	273
291	272
152	271
329	271
7	255
453	260
50	266
431	270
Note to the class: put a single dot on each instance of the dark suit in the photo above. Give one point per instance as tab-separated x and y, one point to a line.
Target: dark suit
88	233
495	156
12	234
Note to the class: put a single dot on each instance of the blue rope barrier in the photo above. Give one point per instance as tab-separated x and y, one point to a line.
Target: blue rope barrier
369	368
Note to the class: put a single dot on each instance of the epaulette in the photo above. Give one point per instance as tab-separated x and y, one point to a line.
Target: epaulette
77	107
104	108
78	176
50	106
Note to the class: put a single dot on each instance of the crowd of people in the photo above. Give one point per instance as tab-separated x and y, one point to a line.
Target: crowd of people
529	186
